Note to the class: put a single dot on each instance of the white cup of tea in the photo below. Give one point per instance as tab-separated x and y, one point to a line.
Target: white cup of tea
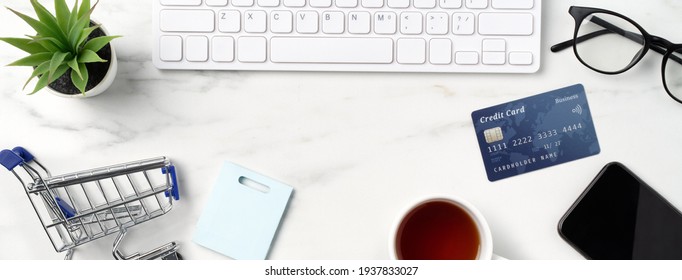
441	228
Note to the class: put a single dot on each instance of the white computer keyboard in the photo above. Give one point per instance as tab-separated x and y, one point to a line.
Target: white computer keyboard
470	36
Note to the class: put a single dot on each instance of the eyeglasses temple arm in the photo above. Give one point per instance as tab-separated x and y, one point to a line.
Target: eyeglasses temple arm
677	59
569	43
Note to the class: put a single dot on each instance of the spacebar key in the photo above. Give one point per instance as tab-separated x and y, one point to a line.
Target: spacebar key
331	50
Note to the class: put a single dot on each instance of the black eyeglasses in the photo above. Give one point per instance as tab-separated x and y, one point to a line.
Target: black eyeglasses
610	43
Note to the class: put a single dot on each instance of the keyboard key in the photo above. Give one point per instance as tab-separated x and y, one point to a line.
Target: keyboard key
242	3
385	22
346	3
268	3
494	58
425	4
222	49
255	21
372	3
398	3
411	51
170	48
437	23
411	23
332	22
358	22
252	49
306	22
187	20
281	22
513	4
331	50
450	4
294	3
476	4
229	21
463	23
197	48
505	24
440	51
466	58
520	58
216	3
181	2
321	3
494	45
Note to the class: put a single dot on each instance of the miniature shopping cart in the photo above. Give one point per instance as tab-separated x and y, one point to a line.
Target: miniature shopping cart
80	207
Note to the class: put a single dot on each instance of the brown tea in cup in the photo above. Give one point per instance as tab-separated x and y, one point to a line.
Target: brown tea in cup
438	230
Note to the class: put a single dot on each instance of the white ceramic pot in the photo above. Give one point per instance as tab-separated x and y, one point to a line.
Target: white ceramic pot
103	85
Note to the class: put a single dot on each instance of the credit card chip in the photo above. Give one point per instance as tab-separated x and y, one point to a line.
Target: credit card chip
493	135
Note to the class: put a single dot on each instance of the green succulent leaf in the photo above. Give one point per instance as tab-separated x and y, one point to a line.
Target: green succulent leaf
56	61
80	81
73	63
49	20
42	82
88	56
75	32
43	14
42	69
33	60
85	33
49	41
96	44
46	80
49	46
73	16
24	44
85	9
38	26
62	14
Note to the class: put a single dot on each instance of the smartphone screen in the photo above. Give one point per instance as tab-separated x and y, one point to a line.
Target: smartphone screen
620	217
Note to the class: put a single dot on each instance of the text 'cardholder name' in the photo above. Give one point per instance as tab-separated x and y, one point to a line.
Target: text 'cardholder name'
535	132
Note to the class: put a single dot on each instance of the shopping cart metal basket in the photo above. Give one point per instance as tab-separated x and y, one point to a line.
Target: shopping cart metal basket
80	207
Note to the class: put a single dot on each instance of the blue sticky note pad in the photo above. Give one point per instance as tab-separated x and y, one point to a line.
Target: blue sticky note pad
535	132
242	214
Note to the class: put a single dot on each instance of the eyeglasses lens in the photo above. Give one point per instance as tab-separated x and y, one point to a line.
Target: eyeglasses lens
612	44
673	74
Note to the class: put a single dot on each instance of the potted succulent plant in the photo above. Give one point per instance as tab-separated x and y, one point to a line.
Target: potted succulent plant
70	54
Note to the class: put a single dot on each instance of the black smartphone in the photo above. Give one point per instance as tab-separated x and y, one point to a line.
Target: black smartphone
620	217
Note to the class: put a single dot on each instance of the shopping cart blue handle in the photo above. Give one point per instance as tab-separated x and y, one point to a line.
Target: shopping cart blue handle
23	153
174	181
67	210
9	159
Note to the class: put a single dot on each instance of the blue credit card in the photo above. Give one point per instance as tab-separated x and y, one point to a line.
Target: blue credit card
535	132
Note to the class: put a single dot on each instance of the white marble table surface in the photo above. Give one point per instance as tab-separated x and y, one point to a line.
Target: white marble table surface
357	147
